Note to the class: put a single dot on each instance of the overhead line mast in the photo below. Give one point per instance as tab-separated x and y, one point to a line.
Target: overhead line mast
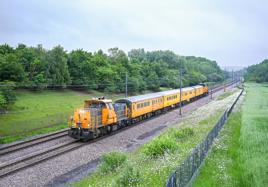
126	86
180	87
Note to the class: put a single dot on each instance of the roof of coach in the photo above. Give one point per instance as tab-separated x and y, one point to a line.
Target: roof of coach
198	86
153	95
141	97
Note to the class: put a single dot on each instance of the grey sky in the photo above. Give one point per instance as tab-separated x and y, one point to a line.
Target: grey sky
234	33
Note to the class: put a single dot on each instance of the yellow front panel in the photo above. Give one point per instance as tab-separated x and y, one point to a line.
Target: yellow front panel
86	120
83	117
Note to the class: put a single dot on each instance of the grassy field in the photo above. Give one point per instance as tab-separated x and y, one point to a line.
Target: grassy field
240	157
224	95
41	112
152	163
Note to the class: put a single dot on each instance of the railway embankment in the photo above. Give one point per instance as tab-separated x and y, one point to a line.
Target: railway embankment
152	163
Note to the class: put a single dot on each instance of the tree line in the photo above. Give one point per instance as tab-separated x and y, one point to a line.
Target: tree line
258	72
37	68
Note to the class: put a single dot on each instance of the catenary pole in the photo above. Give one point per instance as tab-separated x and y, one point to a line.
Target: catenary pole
180	87
126	86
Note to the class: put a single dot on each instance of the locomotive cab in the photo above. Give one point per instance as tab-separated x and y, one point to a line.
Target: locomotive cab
87	121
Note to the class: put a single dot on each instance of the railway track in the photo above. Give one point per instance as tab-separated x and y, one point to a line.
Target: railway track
32	142
17	164
37	157
218	88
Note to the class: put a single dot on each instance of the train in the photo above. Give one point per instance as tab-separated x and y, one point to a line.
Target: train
100	116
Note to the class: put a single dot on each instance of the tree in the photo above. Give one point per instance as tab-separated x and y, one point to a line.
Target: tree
6	49
37	68
258	72
137	55
80	67
57	72
10	69
118	57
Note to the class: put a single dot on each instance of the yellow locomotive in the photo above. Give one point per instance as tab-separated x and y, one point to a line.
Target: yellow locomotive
100	116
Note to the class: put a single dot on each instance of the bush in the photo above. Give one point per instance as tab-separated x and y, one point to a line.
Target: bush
130	177
111	161
3	103
7	93
159	146
181	133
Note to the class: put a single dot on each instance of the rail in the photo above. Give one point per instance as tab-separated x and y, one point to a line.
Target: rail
34	141
27	161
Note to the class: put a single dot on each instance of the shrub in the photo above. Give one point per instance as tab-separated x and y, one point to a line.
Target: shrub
7	95
181	133
159	146
3	102
111	161
130	177
7	89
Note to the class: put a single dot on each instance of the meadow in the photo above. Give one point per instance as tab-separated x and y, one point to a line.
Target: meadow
42	112
240	156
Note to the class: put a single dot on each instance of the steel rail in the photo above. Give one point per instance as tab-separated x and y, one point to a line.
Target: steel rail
35	141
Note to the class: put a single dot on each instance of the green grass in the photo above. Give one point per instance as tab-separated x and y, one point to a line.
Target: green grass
225	94
240	158
152	163
111	161
41	112
223	163
254	135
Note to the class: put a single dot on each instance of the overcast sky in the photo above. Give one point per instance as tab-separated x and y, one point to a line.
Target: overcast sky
232	32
